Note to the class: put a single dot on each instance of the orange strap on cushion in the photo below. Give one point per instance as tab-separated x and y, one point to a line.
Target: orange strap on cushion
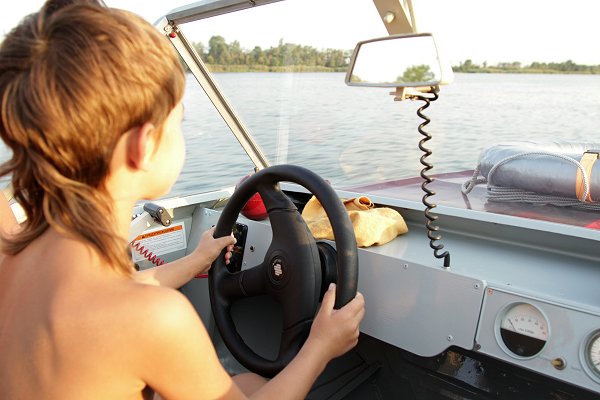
587	161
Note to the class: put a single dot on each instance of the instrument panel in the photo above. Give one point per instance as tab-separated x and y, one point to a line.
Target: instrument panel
541	336
590	353
522	330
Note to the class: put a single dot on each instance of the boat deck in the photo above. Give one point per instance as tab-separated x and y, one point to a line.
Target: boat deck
448	193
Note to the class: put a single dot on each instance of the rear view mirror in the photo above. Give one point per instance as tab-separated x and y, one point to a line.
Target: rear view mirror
396	61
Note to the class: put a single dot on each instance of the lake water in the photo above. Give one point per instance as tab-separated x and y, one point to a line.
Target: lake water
355	135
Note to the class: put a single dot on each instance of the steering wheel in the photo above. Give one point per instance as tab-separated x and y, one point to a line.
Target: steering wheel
291	270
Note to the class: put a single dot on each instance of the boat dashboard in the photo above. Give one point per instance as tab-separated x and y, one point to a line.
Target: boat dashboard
518	290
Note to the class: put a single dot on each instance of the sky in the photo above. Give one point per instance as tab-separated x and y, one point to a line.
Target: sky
489	31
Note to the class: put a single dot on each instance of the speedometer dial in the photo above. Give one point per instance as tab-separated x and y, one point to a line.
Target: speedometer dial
523	330
592	353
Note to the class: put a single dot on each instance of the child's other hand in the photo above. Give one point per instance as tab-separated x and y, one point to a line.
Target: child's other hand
336	331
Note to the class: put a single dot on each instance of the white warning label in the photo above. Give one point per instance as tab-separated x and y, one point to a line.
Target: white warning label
159	241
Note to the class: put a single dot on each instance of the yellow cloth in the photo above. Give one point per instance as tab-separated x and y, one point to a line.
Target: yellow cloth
372	226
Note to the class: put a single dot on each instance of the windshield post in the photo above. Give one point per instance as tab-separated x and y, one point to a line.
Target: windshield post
215	94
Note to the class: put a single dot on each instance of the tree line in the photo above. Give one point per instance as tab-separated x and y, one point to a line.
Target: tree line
566	67
220	53
224	56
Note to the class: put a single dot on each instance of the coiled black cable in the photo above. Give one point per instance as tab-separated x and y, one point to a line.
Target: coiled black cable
432	229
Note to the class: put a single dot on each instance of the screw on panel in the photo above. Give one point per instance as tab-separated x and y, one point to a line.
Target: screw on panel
449	338
405	266
559	363
476	286
477	346
252	248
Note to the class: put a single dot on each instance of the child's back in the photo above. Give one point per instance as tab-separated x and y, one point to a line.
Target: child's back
68	328
91	109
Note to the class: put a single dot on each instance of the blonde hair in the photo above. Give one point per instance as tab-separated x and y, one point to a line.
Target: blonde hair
73	79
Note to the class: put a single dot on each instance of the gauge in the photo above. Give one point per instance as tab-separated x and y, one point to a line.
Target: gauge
592	353
523	329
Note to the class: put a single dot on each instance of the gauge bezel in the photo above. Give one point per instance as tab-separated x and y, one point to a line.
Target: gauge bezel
584	354
498	324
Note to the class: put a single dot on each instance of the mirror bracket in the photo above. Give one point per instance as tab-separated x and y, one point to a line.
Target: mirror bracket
403	93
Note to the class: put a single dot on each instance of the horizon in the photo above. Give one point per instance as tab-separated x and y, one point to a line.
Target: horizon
483	64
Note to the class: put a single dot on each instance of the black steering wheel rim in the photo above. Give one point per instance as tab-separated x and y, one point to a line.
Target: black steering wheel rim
225	287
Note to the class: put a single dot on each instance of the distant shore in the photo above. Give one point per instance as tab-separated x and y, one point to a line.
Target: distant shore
270	68
313	68
525	71
223	56
565	67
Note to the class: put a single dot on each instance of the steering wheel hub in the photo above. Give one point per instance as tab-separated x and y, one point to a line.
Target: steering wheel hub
278	271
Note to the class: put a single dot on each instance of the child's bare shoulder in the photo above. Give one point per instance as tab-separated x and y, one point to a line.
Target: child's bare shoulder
150	320
169	343
161	307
